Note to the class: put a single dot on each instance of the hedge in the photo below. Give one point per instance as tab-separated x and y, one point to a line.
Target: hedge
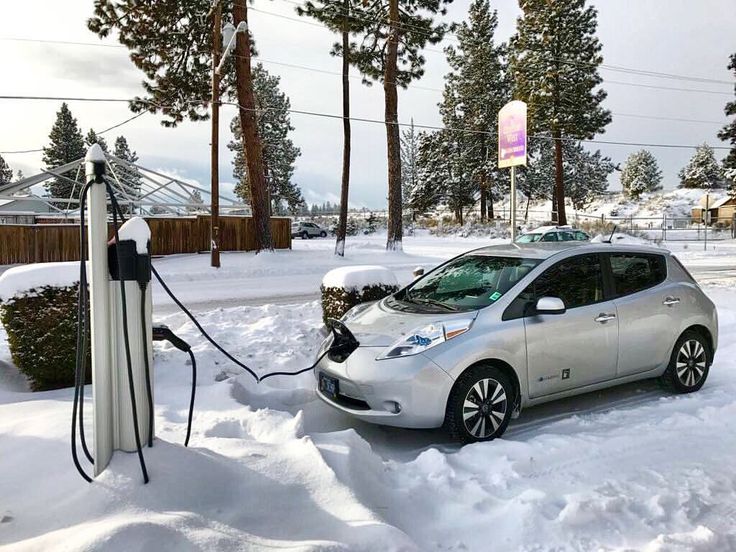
42	335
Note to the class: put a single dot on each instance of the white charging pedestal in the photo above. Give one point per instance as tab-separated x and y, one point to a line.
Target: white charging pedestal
112	412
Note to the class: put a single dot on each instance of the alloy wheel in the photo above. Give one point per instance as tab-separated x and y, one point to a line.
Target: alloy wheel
484	408
691	363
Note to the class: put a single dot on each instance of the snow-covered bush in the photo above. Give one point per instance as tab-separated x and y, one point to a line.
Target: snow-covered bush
41	322
345	287
472	228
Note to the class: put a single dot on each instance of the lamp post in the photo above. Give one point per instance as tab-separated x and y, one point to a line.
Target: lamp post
222	37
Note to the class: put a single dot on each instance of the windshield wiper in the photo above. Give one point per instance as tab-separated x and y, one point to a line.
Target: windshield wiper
433	302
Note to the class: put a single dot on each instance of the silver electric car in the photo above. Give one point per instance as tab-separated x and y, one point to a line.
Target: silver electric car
472	342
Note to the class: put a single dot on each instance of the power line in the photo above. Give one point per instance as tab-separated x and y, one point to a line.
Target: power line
372	121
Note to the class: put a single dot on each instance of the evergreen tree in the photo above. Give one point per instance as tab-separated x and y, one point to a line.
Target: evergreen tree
66	145
196	199
6	173
432	171
279	152
728	132
482	88
20	176
641	174
93	138
171	42
391	53
409	173
336	16
702	171
554	60
131	176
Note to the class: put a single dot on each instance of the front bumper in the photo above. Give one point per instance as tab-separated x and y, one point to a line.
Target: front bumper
370	389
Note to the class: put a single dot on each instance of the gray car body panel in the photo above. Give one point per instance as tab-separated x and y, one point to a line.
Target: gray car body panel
637	344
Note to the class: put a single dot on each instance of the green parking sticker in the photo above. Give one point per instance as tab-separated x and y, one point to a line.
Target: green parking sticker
495	296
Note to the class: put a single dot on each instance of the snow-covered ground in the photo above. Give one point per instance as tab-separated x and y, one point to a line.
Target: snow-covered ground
271	467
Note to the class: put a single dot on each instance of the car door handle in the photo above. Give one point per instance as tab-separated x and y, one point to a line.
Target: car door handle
669	301
602	318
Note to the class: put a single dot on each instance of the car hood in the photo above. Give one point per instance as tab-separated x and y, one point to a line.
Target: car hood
380	326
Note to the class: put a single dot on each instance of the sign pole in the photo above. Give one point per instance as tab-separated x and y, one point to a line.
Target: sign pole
513	203
512	148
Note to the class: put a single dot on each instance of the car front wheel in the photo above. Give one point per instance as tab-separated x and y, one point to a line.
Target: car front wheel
689	363
323	234
480	405
305	235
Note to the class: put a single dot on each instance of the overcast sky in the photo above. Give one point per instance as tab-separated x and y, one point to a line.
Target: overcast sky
670	36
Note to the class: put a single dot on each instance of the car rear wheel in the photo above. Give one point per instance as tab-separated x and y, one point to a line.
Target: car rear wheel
323	234
480	405
689	363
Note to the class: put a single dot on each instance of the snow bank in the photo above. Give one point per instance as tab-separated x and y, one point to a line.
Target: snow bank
21	279
136	229
358	277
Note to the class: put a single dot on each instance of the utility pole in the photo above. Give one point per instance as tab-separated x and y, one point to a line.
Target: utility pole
215	145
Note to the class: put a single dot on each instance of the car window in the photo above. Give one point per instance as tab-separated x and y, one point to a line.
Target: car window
467	283
565	236
549	237
634	272
528	238
578	281
581	236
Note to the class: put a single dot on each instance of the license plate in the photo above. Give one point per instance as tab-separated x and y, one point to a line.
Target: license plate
328	386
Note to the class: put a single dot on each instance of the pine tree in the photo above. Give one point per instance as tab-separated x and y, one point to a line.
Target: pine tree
482	87
390	53
130	175
336	16
66	145
20	176
409	173
641	174
279	152
93	138
171	43
6	173
702	171
196	200
554	60
728	132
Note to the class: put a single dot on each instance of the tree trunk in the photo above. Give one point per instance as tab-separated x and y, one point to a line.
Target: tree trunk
490	205
483	188
559	195
342	224
393	242
259	194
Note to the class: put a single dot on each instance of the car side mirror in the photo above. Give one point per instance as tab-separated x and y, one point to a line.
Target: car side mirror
550	305
418	272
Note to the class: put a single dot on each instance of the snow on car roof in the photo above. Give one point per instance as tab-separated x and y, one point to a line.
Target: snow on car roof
545	250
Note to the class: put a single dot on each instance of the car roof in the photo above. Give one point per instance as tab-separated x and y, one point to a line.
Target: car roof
545	250
545	229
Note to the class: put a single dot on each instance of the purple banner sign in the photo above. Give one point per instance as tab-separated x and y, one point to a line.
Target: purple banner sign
512	134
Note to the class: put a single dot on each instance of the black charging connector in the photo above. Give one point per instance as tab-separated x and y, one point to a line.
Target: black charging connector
163	333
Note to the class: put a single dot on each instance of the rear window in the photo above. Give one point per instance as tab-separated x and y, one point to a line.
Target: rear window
634	272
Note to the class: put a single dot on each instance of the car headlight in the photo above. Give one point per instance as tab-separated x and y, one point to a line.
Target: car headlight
419	340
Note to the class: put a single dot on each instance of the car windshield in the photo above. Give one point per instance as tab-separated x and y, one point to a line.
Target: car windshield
470	282
528	238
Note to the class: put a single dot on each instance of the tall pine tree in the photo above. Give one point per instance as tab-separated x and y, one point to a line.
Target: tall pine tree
336	15
391	53
554	61
6	173
482	87
728	134
702	171
640	174
131	175
409	173
279	152
66	145
93	138
171	42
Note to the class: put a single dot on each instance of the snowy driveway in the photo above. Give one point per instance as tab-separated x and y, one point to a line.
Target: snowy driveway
271	467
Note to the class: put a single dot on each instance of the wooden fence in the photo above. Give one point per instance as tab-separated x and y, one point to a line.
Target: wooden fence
41	243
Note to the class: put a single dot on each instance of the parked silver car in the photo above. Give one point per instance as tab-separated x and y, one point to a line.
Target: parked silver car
306	230
553	234
500	328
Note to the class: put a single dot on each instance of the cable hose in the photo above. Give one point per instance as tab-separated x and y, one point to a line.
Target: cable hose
126	337
191	400
81	339
84	324
149	391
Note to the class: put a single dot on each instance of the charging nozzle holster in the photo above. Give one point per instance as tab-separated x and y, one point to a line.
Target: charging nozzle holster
133	266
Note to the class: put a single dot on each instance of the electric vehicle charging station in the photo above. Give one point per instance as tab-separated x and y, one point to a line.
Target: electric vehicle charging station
120	319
